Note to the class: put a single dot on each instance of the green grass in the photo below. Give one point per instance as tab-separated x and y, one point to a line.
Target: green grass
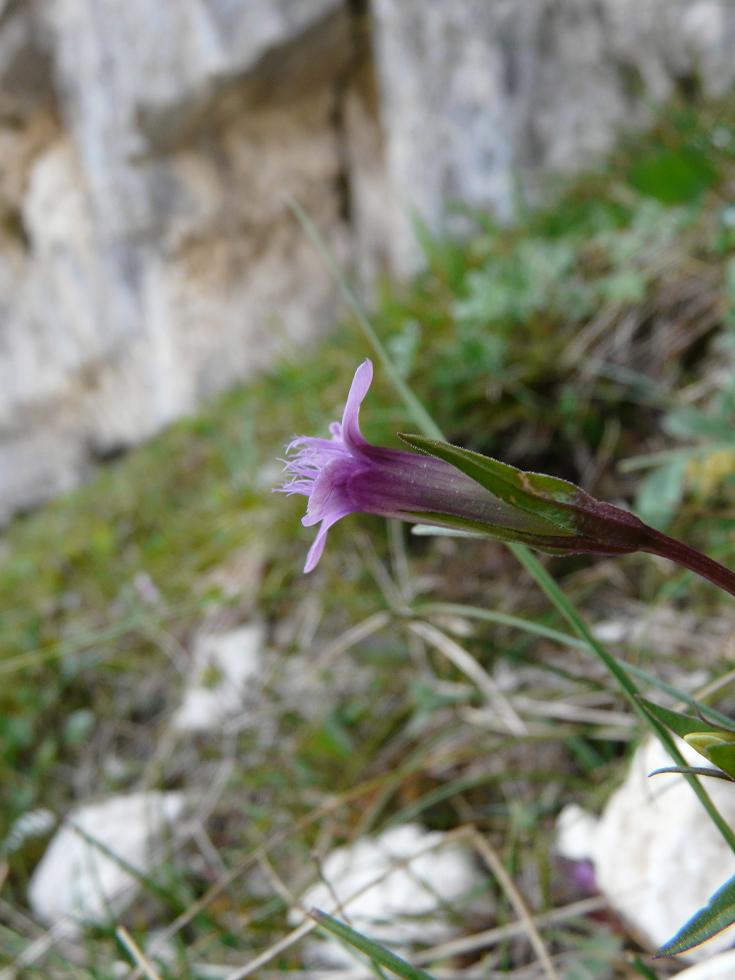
583	337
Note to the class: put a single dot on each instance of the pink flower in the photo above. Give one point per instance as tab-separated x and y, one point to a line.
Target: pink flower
345	474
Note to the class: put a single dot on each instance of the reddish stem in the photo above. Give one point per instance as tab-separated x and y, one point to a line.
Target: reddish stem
676	551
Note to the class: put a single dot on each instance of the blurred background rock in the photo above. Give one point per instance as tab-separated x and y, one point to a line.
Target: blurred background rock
148	257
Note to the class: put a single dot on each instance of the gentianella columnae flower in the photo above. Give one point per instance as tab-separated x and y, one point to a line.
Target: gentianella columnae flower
344	474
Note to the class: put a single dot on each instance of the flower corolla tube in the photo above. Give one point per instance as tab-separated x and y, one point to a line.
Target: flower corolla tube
344	474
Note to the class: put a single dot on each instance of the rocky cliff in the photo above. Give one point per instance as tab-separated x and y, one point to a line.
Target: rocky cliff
148	257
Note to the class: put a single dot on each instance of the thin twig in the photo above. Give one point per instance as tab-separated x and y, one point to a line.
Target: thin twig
136	954
267	955
351	637
497	867
575	713
278	884
399	560
464	662
500	934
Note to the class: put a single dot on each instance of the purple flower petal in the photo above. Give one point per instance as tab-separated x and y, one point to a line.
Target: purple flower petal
317	547
345	474
351	416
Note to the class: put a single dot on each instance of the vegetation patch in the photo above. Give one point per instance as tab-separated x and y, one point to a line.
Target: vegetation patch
594	341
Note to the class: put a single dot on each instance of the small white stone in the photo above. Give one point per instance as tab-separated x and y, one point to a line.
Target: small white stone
575	832
403	881
721	967
657	856
611	631
222	667
77	879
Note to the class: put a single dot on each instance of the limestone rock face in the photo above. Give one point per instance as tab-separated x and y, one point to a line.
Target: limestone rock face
152	258
148	257
479	99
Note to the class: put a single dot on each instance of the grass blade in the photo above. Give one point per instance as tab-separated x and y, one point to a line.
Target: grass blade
377	953
718	914
625	683
415	409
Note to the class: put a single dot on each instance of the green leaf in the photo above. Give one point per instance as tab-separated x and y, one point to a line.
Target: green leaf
533	493
690	423
559	508
678	722
661	492
673	175
714	743
377	953
643	969
410	400
550	542
693	771
717	915
723	755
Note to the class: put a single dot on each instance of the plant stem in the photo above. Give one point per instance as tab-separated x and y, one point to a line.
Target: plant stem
626	684
415	409
680	553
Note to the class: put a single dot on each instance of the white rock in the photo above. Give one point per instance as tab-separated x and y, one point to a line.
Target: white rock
720	967
222	667
475	95
81	882
156	261
575	833
394	887
657	856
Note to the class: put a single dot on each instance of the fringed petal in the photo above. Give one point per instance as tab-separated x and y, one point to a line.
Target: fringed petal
351	417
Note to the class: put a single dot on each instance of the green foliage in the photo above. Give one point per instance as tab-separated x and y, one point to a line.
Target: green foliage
718	914
713	741
674	175
687	157
703	468
524	286
661	492
536	509
679	723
